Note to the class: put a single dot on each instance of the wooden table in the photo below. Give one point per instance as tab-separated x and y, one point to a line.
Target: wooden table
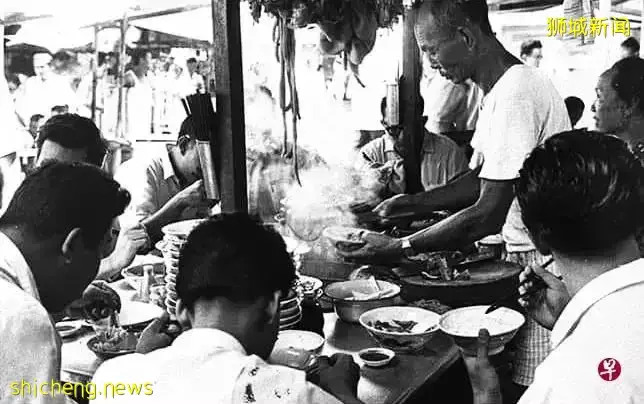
391	384
403	376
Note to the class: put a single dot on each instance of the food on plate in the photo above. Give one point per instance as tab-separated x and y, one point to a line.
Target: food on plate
116	340
393	326
431	305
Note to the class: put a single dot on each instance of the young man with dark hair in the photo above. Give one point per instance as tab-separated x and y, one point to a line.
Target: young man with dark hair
167	187
233	271
522	109
580	197
630	48
531	52
51	240
73	138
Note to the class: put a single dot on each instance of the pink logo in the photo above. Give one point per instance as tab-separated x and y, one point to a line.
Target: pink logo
609	369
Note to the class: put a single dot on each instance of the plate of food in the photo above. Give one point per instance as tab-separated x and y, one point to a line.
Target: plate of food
113	343
138	314
345	238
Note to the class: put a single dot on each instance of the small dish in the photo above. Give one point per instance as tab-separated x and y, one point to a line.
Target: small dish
67	329
376	357
302	340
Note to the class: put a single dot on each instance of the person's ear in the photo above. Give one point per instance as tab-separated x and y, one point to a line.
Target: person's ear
272	307
183	315
72	243
467	36
183	142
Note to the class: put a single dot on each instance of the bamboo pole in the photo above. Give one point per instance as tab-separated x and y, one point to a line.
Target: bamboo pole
2	66
120	129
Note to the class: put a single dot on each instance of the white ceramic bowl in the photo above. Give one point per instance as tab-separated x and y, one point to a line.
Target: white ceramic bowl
463	326
425	328
303	340
134	275
349	309
376	357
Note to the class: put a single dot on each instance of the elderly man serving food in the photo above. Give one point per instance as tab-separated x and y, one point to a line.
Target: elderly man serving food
581	201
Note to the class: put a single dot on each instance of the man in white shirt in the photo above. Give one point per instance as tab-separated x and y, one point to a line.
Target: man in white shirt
521	109
532	52
442	159
44	91
73	138
167	187
51	238
233	271
580	197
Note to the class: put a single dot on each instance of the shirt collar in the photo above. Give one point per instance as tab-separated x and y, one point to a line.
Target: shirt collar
14	264
208	339
594	291
168	169
429	142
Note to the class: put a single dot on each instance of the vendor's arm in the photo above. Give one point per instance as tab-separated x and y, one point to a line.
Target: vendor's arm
483	218
460	192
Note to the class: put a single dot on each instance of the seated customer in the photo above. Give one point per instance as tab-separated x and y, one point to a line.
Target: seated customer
232	273
167	187
73	138
51	238
442	159
580	200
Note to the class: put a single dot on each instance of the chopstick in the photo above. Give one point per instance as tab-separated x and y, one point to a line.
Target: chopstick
540	284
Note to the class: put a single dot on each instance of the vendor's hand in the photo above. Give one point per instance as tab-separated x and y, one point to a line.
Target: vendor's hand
98	301
486	386
376	245
544	305
128	243
154	336
339	376
393	205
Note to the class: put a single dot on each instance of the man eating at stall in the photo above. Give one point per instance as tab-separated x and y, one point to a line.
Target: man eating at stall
441	160
233	271
51	239
580	199
73	138
166	187
521	109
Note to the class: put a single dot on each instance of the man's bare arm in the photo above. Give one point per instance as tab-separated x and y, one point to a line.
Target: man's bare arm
483	218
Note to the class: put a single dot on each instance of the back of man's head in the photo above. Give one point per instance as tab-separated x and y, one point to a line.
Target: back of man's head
528	46
451	14
64	133
580	193
235	257
59	197
632	46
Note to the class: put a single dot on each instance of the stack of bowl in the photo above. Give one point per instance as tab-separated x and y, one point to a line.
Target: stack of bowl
175	236
290	311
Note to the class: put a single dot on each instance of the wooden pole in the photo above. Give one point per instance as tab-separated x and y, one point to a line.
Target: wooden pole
642	22
409	99
120	128
229	143
2	66
95	75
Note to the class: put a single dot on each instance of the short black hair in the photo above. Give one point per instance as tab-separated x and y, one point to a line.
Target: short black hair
627	78
575	107
36	117
631	44
13	78
191	60
453	13
62	56
59	197
579	192
137	55
528	46
75	132
233	255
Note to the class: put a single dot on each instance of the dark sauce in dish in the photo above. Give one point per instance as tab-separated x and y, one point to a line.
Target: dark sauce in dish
374	356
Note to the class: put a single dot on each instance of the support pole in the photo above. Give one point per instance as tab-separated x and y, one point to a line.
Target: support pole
229	143
409	96
2	66
120	124
95	75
